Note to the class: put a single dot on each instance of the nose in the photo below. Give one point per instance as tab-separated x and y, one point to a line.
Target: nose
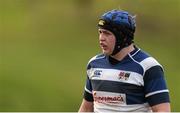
101	37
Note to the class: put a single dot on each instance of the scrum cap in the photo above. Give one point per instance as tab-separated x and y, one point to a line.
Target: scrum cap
122	25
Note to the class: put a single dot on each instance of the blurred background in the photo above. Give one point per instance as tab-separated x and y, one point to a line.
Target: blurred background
45	46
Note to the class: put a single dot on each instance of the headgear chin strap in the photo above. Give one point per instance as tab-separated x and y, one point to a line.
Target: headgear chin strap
122	25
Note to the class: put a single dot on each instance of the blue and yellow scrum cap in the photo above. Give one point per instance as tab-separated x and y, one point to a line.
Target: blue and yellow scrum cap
121	24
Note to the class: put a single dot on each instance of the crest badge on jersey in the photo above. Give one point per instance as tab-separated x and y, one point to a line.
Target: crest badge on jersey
124	75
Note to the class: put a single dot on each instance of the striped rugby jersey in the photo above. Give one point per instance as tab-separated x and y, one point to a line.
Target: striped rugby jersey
133	84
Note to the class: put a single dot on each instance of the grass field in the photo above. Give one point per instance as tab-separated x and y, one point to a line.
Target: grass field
45	46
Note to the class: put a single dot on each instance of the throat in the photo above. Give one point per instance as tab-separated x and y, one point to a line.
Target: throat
113	61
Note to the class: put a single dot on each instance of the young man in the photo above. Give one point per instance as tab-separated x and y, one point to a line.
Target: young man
123	78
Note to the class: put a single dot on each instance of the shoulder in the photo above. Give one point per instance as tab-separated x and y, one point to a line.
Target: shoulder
97	57
146	60
94	59
149	63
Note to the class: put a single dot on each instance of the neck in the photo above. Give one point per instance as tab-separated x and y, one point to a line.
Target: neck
121	54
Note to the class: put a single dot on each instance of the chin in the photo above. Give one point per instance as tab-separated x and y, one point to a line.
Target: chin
106	53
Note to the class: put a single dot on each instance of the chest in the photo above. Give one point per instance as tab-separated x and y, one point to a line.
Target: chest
116	75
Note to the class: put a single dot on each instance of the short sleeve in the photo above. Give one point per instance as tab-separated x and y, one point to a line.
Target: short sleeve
88	91
88	88
155	88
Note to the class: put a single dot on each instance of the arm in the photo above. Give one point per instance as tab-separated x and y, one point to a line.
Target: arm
86	106
87	103
156	90
164	107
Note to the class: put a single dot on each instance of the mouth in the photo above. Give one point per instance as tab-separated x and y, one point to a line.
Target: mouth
103	46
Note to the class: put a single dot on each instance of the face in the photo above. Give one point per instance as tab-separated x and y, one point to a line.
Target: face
107	41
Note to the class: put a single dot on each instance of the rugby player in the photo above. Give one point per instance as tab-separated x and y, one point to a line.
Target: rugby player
123	78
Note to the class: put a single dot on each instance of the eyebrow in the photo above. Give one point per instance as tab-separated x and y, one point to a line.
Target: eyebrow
104	31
